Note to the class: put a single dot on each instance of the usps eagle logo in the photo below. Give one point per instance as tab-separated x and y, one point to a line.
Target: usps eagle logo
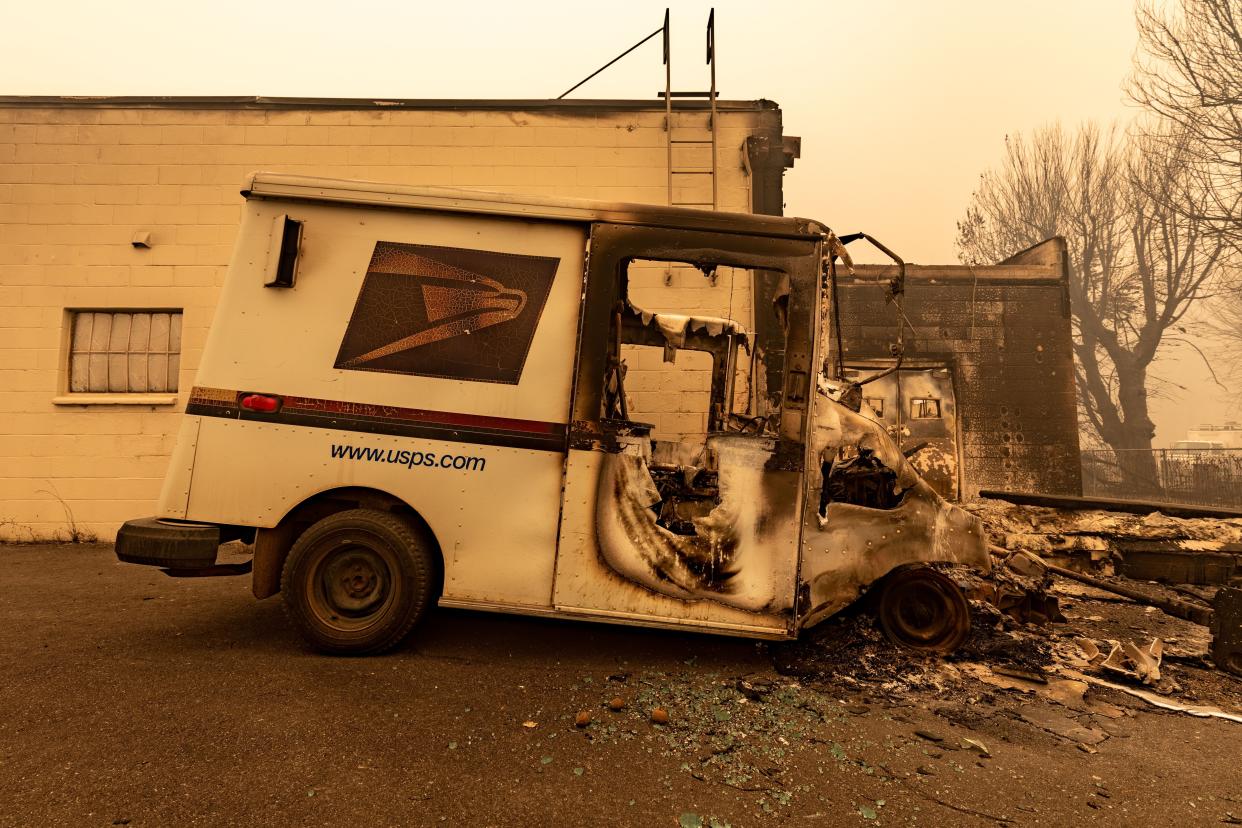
447	312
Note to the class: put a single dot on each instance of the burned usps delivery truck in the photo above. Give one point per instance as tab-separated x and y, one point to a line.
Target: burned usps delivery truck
416	396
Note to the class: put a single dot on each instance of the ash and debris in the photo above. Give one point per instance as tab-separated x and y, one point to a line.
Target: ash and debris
850	648
777	742
1096	535
1024	677
740	732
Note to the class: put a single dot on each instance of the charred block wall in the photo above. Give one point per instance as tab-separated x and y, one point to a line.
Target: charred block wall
1005	333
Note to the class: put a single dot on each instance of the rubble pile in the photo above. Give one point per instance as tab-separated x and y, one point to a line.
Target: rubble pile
1049	661
1103	542
1041	631
851	649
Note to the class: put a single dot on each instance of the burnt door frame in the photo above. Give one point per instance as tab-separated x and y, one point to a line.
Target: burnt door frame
868	366
612	247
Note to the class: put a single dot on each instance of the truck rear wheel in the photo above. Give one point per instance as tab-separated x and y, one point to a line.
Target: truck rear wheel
357	582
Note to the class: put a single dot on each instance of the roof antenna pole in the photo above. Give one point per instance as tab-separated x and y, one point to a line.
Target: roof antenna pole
711	60
668	105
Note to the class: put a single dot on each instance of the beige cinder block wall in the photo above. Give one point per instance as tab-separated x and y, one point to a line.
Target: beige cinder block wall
79	177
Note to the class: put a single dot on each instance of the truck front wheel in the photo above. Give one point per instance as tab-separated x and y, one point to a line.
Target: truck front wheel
923	609
357	582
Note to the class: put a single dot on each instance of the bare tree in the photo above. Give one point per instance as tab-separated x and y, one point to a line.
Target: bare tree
1189	73
1224	321
1136	264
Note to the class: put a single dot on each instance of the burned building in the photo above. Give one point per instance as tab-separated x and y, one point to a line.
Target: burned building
987	379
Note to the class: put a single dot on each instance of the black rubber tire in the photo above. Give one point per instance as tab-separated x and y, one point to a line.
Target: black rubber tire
380	543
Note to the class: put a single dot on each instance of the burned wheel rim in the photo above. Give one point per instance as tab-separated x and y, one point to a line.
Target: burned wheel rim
923	609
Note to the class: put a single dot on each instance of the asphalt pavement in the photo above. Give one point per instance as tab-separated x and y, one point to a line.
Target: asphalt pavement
131	698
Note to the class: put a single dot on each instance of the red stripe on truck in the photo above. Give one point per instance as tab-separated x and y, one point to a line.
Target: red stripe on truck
383	419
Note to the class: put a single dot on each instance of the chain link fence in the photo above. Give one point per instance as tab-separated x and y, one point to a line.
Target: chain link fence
1207	477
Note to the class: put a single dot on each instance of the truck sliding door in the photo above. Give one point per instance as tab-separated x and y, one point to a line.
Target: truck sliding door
677	529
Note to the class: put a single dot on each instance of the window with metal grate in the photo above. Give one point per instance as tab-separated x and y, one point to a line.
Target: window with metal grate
119	352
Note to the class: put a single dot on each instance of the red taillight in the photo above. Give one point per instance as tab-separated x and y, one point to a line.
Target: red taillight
260	403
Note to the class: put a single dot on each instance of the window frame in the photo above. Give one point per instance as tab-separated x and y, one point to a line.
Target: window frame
797	258
65	396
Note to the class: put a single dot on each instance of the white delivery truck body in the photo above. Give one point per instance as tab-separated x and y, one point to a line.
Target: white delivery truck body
412	396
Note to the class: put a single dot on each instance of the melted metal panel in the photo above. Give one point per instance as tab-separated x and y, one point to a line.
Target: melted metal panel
731	558
931	442
846	546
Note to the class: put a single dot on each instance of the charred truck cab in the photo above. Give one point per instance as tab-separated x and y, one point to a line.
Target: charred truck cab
413	396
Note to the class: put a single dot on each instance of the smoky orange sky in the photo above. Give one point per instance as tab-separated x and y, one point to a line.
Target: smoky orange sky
900	104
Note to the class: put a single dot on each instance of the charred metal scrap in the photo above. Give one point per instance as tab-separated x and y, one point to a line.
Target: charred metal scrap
694	528
702	521
876	514
687	520
1125	545
697	542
